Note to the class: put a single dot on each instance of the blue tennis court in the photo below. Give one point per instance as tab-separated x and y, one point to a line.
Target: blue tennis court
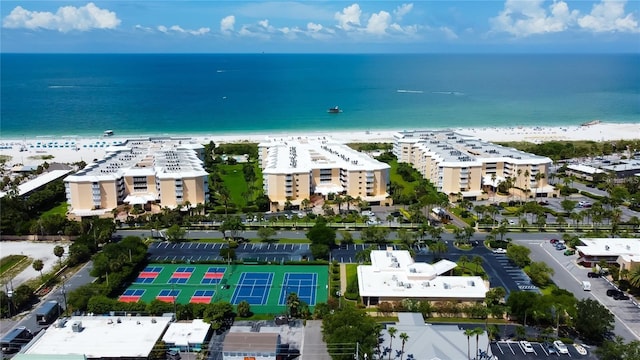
303	284
133	292
253	288
168	295
203	293
155	269
213	276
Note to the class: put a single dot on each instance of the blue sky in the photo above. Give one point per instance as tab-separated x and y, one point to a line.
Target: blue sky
321	26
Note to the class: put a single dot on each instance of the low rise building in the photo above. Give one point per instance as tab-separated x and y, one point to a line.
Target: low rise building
189	336
460	165
250	345
101	337
584	172
393	276
427	341
298	168
622	251
167	172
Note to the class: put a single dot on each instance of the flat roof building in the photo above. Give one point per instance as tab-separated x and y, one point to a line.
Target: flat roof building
460	164
101	337
296	168
164	171
187	335
393	275
244	345
623	251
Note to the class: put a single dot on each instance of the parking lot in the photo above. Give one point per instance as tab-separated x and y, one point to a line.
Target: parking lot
512	350
164	251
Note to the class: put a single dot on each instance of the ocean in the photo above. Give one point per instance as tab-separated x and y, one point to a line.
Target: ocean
155	94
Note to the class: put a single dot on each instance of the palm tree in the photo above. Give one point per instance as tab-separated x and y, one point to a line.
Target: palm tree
477	332
404	337
392	334
477	261
38	265
634	277
58	251
463	259
468	333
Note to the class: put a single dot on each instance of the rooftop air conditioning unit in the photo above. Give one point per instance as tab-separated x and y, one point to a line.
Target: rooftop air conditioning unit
77	326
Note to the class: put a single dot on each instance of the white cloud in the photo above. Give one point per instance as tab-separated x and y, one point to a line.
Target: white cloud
349	17
180	30
227	23
402	10
378	23
448	33
67	18
527	17
609	16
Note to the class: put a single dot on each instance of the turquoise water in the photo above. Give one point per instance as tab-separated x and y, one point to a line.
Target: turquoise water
196	94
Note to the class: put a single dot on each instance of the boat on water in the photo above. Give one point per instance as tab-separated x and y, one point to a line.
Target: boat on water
334	110
107	133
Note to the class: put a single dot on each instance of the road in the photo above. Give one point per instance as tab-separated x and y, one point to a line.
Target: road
568	275
28	320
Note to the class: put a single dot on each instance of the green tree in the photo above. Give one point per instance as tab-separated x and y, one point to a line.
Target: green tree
463	260
232	225
293	305
519	255
404	337
350	325
175	233
347	237
265	233
244	309
38	265
495	295
477	261
392	334
469	333
58	251
438	248
617	349
477	332
540	273
593	320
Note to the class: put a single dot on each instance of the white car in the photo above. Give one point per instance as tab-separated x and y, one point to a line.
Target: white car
526	346
561	347
499	251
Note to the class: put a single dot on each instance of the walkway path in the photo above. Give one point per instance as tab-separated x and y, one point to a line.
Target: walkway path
343	278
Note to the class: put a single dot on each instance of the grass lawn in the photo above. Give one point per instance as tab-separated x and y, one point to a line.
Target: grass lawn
10	261
233	178
407	187
60	209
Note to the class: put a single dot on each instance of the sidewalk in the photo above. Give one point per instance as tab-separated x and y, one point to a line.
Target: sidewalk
343	278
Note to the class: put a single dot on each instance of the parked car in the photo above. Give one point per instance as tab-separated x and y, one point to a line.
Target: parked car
592	274
614	292
526	346
569	252
554	241
499	251
621	296
560	247
560	347
550	348
584	204
543	203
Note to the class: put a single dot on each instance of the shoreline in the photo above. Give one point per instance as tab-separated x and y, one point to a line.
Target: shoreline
73	148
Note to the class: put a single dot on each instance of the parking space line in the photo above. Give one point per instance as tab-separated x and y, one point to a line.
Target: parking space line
510	348
499	348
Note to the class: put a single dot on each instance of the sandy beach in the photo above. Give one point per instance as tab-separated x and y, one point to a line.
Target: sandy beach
69	149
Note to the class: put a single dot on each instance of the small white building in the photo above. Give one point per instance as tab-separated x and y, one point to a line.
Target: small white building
393	275
624	251
187	335
101	337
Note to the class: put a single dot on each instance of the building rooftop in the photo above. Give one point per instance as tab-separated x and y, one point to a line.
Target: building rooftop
160	157
585	169
102	337
430	342
48	357
464	150
186	333
303	154
41	180
609	246
393	273
250	342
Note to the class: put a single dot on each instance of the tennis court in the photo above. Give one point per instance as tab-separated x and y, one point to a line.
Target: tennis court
264	287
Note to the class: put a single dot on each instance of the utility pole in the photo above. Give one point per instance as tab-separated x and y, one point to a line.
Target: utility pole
64	293
357	356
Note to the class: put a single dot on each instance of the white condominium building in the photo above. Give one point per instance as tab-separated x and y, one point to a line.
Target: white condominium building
296	168
164	171
459	164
